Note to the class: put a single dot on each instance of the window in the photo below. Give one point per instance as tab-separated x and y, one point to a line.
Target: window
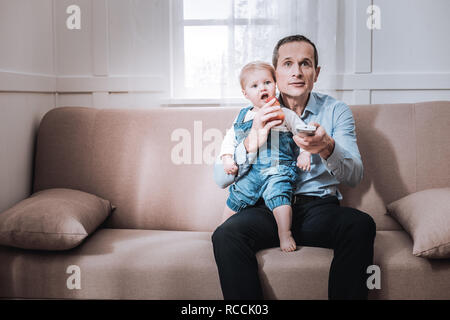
213	39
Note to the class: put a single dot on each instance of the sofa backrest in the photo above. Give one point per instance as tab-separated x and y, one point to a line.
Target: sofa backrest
156	165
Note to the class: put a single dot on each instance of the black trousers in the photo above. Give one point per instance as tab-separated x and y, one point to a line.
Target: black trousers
321	222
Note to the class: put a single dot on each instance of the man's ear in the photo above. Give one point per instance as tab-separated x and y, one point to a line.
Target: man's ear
317	73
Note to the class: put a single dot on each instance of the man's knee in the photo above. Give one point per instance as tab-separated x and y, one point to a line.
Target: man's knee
217	235
223	234
362	226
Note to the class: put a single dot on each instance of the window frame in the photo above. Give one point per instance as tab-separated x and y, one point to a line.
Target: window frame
178	91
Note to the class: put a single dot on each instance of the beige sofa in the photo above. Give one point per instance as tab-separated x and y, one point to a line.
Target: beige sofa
157	243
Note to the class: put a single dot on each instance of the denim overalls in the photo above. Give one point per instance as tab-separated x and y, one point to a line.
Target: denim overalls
273	174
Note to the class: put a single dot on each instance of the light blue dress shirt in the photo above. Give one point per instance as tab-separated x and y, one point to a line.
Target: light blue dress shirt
344	165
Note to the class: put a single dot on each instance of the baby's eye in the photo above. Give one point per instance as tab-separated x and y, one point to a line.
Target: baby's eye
268	82
254	86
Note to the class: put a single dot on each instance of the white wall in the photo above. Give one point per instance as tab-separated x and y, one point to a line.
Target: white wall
404	61
412	45
121	57
27	86
118	59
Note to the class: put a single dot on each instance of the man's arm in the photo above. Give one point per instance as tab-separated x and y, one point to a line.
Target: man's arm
243	161
229	142
341	157
339	152
245	152
221	178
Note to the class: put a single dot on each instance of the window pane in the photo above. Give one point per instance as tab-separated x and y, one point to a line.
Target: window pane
252	9
206	9
253	43
205	50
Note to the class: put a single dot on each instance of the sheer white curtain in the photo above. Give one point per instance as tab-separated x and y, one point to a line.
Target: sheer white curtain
316	19
220	36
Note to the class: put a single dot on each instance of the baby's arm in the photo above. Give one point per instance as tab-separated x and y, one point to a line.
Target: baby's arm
229	143
304	160
229	166
292	120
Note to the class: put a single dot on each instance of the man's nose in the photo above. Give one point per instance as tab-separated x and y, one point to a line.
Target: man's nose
297	70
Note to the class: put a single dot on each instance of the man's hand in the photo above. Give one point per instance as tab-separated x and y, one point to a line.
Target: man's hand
261	126
229	166
320	143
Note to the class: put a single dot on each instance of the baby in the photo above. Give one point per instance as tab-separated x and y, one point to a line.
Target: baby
273	174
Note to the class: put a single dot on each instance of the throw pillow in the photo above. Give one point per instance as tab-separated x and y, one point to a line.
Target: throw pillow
425	215
52	219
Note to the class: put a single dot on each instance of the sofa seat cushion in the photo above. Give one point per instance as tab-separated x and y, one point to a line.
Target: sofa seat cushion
304	274
405	276
116	264
149	264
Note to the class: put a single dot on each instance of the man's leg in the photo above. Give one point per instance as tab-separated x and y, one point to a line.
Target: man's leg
235	243
349	232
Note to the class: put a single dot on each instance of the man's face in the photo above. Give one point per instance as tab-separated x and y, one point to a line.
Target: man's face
295	70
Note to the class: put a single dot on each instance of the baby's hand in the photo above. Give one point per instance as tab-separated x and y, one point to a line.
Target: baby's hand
304	161
229	165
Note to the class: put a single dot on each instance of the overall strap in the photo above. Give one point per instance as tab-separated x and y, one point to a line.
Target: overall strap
242	113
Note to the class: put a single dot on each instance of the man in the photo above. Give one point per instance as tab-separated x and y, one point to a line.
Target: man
318	218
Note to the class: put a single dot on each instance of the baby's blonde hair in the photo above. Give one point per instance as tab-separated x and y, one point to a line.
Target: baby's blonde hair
255	65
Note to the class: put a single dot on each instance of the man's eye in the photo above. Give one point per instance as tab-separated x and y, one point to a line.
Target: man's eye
287	63
305	63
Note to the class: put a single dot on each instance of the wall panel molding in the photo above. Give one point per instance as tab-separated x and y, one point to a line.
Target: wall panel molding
362	38
100	38
26	82
111	84
386	81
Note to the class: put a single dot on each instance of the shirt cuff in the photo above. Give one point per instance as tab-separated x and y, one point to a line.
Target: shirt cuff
226	151
335	159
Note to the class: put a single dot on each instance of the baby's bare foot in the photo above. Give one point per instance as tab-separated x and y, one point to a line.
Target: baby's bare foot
287	242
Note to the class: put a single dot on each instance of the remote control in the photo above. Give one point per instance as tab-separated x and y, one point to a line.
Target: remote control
309	130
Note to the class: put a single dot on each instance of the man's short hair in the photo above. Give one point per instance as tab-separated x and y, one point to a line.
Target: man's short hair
255	65
294	38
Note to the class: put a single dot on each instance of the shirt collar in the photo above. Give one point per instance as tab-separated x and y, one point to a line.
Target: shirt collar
311	105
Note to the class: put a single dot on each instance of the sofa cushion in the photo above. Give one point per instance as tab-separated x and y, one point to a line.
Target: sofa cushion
151	264
52	219
153	164
433	144
405	276
116	264
385	134
304	274
425	215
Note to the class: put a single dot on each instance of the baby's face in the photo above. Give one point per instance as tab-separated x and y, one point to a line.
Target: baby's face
259	85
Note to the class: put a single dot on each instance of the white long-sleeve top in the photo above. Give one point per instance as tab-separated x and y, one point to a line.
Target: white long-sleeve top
291	121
